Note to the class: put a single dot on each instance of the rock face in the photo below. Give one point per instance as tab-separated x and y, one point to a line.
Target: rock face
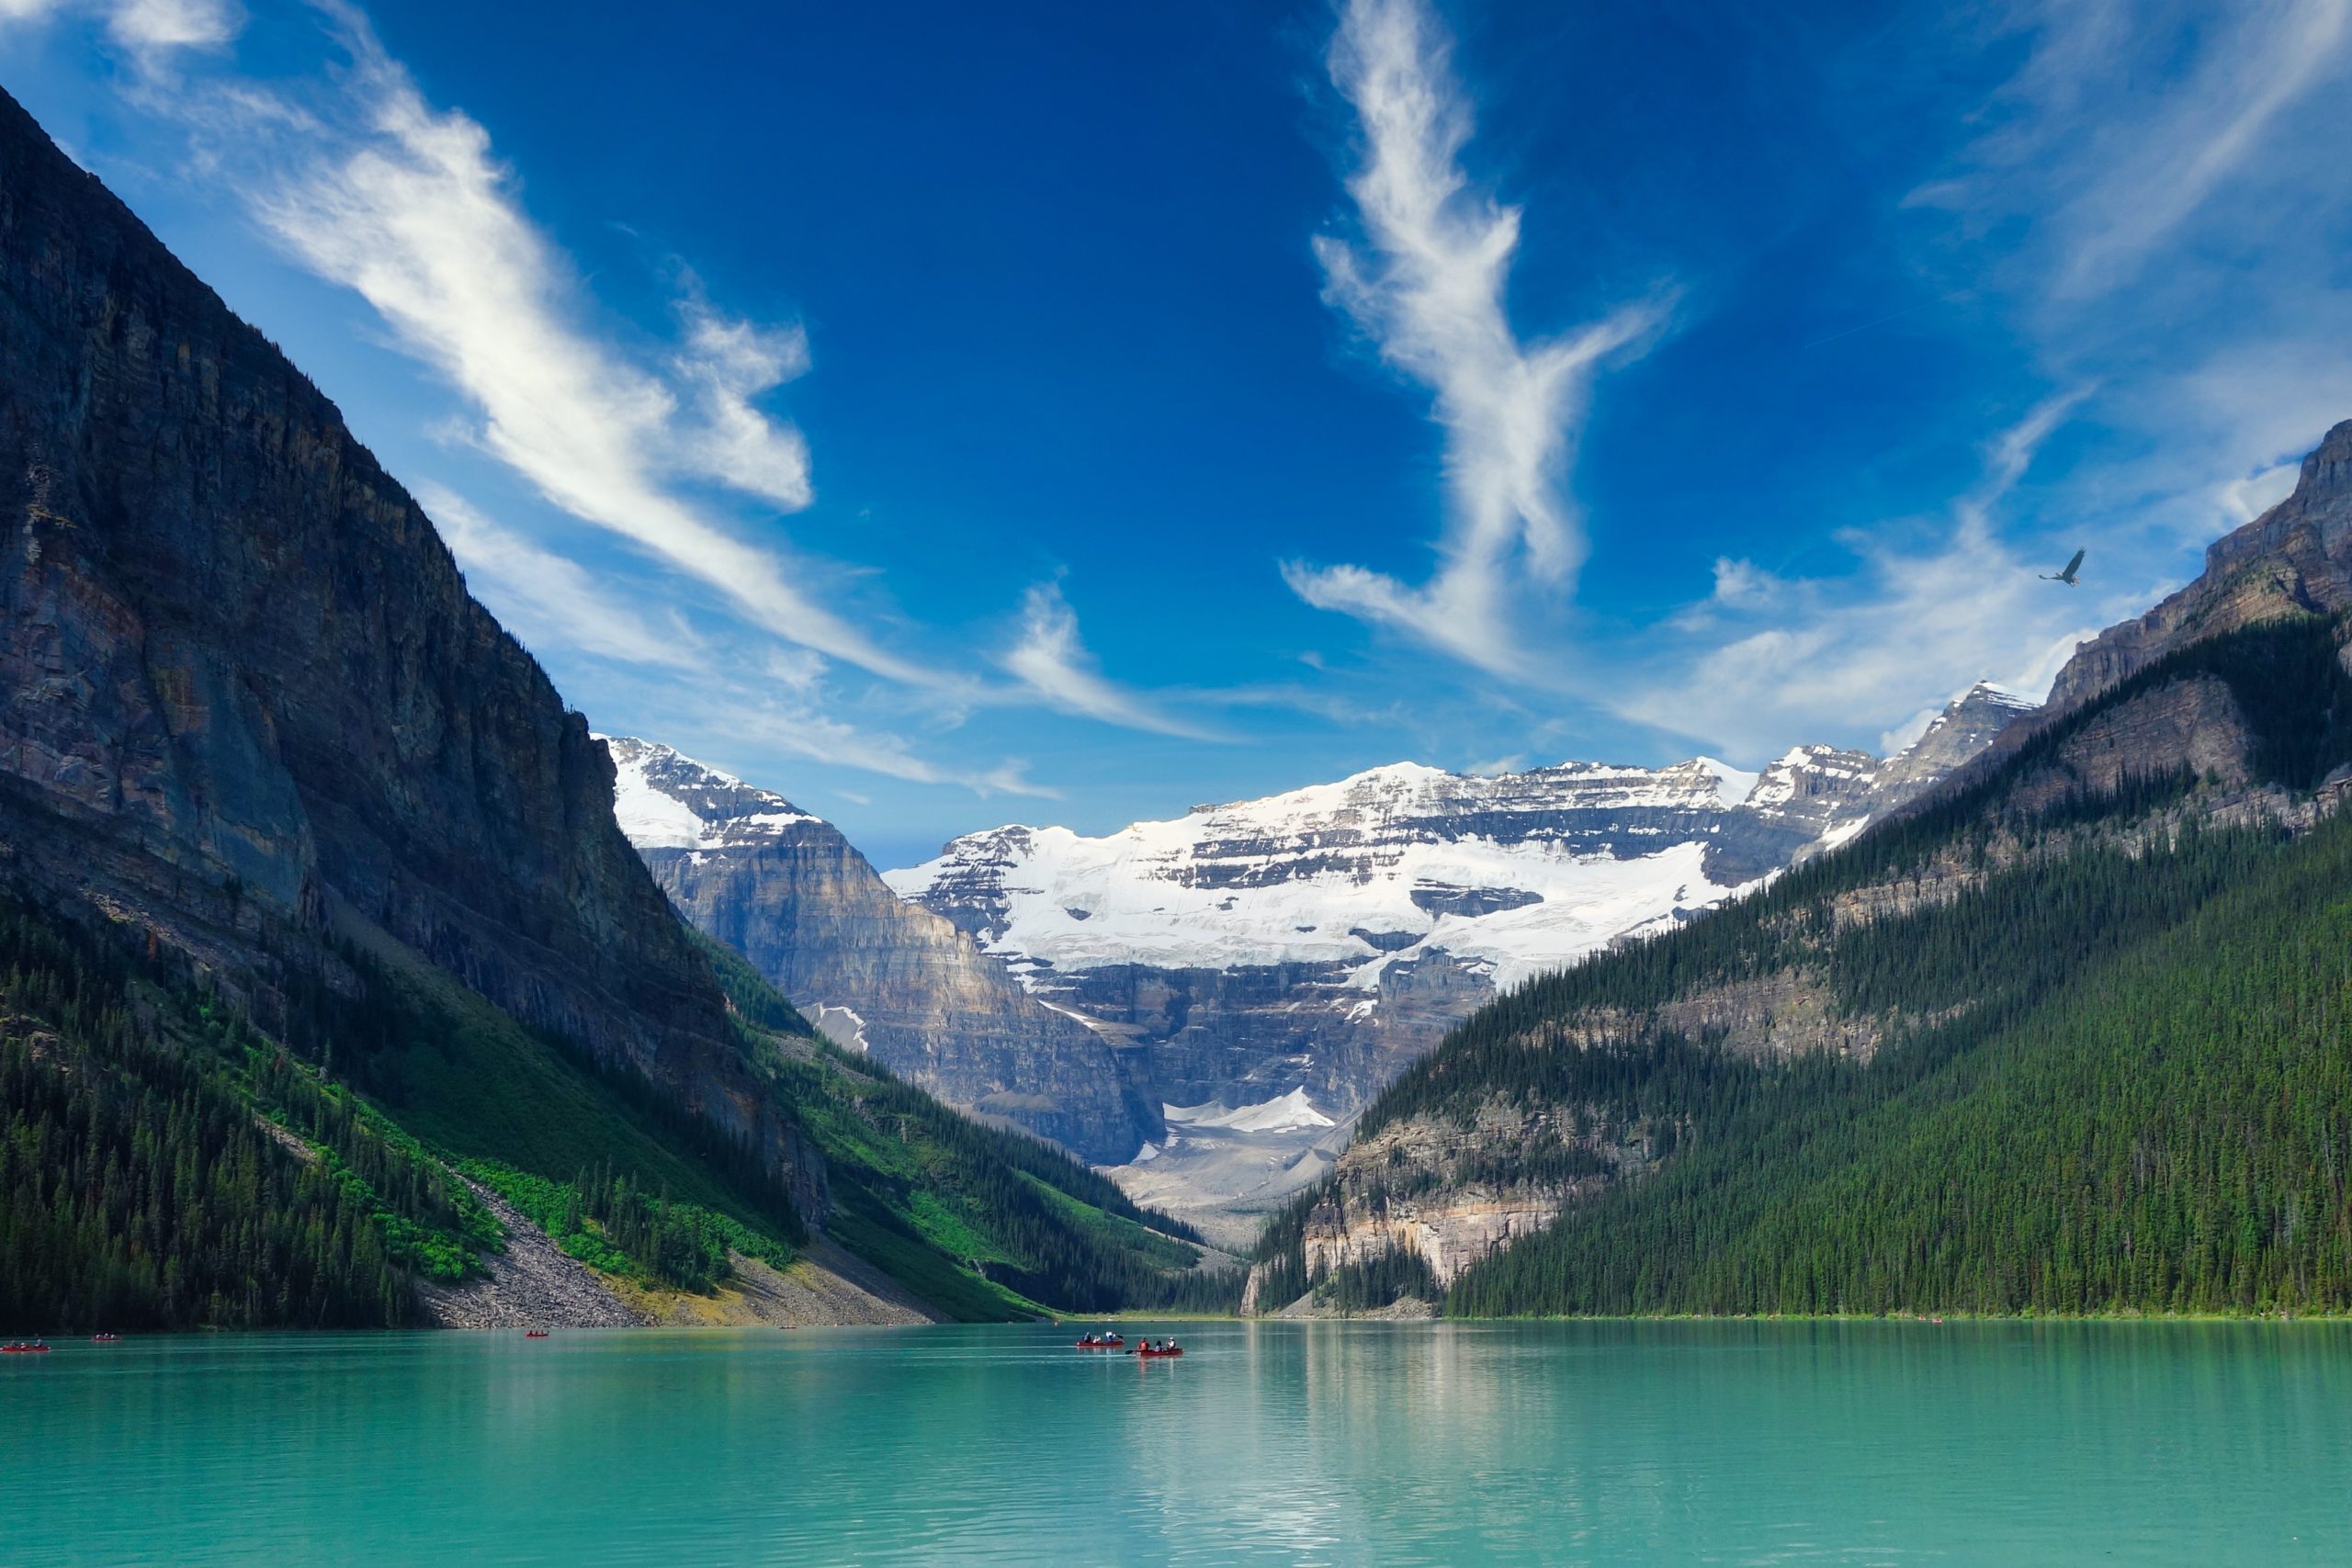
2297	556
1450	1185
245	701
1320	940
788	892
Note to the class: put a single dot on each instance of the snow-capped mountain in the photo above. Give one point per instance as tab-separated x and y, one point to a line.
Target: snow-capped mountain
788	891
1511	874
1299	950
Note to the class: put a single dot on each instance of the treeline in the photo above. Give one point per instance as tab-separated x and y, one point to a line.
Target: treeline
2167	1131
140	1189
423	1048
604	1218
2284	675
950	1206
2111	1078
908	1172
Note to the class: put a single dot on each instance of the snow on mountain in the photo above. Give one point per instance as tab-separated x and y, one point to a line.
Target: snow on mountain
1513	873
667	801
876	973
1284	1113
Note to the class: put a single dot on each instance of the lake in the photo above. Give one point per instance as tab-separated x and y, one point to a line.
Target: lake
1290	1443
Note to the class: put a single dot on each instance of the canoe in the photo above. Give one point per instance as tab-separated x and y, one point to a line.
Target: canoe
1155	1355
1100	1345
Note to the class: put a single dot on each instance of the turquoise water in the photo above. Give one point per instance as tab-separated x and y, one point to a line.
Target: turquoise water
1291	1443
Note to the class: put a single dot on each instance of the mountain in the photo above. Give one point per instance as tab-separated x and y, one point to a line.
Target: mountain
1302	950
331	991
2295	557
887	977
2059	1035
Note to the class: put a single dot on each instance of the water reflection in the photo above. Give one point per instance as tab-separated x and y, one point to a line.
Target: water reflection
1294	1443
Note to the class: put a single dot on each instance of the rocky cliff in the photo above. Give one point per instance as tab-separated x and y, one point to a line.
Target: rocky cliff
246	705
2219	708
1316	942
788	891
2297	556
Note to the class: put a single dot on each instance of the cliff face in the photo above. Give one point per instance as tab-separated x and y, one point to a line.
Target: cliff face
788	892
2297	556
1319	942
245	701
1453	1183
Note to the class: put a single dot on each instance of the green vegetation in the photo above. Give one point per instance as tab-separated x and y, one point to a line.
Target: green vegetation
140	1187
474	1085
604	1220
165	1163
983	1222
2168	1130
2113	1077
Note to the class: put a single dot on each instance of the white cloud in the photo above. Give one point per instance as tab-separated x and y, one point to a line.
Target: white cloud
175	24
2127	118
1051	659
1427	286
1820	656
541	595
2244	500
799	728
147	28
2263	59
728	363
408	207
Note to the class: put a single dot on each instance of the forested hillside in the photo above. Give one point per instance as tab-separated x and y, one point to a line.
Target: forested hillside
2088	1053
313	908
165	1163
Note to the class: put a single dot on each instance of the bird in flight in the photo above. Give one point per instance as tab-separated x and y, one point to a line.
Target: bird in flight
2066	573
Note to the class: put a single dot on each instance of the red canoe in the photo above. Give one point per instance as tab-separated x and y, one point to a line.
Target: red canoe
1151	1354
1101	1345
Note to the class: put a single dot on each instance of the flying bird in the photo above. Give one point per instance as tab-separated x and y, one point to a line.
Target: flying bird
2066	573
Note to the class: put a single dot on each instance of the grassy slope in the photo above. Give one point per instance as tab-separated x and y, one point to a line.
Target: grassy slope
982	1222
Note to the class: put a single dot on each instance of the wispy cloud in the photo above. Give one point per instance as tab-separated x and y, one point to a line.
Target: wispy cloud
1427	284
1769	660
2128	118
175	24
371	187
548	598
1051	659
408	208
798	726
150	30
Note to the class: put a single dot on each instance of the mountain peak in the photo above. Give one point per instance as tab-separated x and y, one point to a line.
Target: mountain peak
666	800
2327	471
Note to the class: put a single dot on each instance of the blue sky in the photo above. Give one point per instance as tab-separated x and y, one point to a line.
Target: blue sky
950	415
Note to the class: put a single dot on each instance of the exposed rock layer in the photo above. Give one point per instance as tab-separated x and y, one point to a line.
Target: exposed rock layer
788	892
1325	939
243	690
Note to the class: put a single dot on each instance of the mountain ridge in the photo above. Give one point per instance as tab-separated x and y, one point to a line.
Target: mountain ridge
789	892
316	913
1635	1134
